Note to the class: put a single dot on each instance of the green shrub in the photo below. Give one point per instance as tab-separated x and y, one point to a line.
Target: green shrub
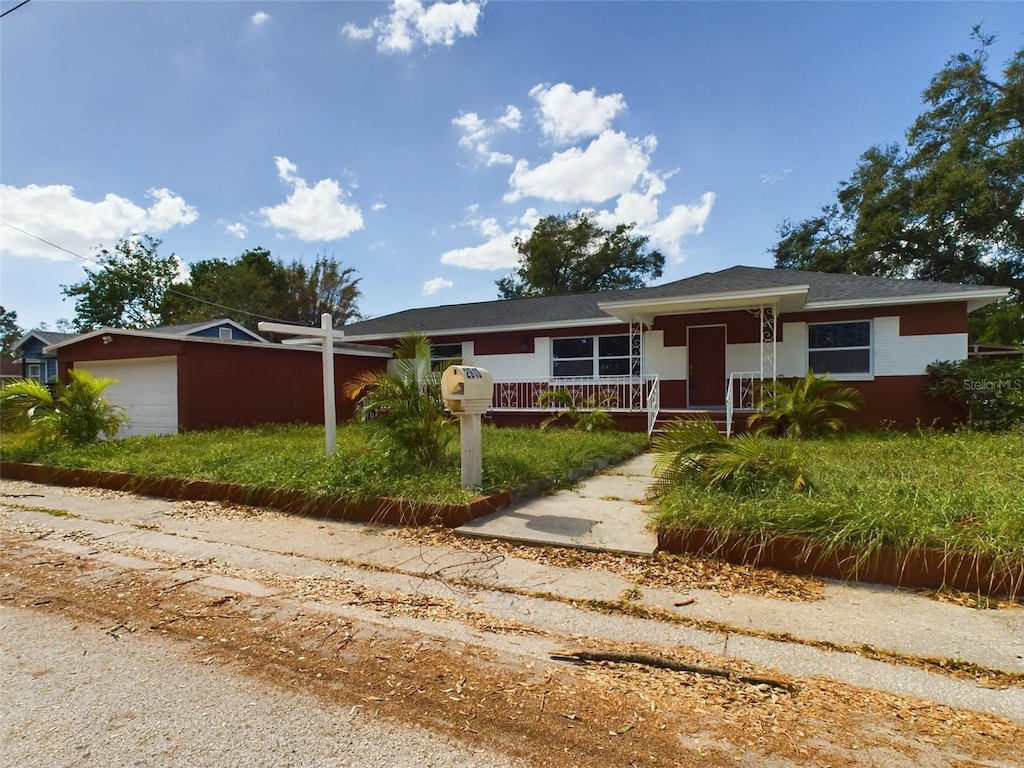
693	451
991	390
810	405
587	414
77	414
402	406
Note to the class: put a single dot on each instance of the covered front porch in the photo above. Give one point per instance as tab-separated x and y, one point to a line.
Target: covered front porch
699	354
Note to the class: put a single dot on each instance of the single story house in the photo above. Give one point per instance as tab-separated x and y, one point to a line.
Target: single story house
704	342
172	382
35	363
38	364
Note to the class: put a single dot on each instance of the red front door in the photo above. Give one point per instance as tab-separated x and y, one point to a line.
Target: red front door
705	351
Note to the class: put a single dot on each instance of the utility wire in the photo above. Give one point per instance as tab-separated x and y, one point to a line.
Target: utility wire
12	10
169	290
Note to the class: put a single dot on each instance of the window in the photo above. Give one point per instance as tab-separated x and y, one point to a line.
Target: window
590	357
443	355
224	333
35	371
839	348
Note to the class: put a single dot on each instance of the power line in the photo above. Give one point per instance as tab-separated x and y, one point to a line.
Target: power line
169	290
12	10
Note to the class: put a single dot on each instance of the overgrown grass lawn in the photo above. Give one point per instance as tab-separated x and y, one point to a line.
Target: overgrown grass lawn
293	457
962	490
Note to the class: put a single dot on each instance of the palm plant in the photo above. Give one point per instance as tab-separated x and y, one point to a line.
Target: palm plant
403	406
810	405
77	414
693	450
589	414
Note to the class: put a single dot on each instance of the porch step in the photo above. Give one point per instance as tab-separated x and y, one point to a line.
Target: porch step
666	417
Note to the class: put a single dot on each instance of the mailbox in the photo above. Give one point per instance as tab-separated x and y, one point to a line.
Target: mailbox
466	389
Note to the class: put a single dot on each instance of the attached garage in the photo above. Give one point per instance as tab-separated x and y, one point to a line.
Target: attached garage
170	383
147	389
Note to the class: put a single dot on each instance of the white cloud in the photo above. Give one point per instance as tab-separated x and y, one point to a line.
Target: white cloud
477	133
260	18
432	286
353	32
54	213
378	206
683	220
410	22
567	115
238	229
608	167
497	251
774	177
313	214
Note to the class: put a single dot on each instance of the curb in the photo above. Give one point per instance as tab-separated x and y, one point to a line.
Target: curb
916	568
381	511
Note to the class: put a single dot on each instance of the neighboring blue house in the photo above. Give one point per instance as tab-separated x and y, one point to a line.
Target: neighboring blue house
34	363
42	366
212	329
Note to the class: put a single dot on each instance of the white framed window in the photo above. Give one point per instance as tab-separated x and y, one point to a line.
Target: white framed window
840	349
35	372
224	333
590	357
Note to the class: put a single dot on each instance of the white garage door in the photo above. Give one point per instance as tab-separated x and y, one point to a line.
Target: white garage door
146	388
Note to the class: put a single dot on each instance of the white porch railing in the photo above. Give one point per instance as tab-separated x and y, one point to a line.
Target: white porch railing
623	394
740	392
653	404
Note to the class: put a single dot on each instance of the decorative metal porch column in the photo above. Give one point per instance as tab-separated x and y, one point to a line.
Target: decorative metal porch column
768	315
637	396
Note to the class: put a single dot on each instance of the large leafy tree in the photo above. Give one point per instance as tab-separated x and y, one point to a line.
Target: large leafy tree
255	287
948	206
572	254
127	290
252	287
10	332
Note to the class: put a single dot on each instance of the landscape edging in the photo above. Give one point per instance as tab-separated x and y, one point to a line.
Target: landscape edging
382	511
914	568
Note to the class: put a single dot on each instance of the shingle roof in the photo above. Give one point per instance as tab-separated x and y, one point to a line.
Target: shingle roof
823	287
47	337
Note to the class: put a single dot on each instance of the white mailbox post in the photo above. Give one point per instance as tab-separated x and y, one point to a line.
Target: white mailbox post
467	391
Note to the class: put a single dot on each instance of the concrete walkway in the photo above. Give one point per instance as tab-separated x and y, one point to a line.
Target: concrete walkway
603	513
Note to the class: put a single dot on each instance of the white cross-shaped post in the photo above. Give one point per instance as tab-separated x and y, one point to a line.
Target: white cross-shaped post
326	335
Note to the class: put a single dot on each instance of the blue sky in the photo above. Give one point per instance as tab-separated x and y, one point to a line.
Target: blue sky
413	141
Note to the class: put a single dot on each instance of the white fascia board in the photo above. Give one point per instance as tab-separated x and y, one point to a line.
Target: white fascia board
974	300
362	350
707	302
477	330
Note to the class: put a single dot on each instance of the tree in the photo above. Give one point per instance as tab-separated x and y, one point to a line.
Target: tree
252	287
10	332
948	207
572	254
128	289
255	287
324	287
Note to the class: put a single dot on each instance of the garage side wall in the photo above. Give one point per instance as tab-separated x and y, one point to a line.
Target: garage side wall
222	385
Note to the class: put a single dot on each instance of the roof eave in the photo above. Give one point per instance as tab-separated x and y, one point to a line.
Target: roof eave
790	298
975	299
513	328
